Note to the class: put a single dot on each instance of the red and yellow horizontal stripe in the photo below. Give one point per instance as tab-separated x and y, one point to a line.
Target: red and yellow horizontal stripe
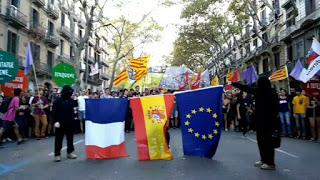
140	74
280	74
122	77
151	119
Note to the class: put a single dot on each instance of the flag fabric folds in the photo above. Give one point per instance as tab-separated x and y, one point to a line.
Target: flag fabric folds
280	74
230	76
151	120
197	83
29	60
122	77
296	71
139	63
314	51
250	75
215	81
94	69
104	137
312	70
235	77
201	120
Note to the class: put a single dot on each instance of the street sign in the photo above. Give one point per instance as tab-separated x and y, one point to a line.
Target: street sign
64	74
8	67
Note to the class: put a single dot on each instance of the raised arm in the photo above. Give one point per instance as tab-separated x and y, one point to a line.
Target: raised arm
245	88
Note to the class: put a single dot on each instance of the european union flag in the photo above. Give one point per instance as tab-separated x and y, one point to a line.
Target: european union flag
201	120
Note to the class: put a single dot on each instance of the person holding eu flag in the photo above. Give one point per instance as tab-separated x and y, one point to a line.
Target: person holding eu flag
267	108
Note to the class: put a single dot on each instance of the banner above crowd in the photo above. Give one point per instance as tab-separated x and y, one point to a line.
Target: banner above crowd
8	67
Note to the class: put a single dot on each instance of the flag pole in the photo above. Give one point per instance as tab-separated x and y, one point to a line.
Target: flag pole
35	77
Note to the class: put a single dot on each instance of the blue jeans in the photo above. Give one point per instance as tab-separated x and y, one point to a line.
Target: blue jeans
285	123
300	124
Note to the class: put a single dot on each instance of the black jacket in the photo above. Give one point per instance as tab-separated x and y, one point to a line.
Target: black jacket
266	107
65	111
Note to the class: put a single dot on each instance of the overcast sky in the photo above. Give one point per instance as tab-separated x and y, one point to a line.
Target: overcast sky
167	17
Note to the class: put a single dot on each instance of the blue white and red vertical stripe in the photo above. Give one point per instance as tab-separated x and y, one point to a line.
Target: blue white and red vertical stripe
104	136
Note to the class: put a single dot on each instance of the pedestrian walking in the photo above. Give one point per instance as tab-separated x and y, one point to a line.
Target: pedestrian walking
267	123
65	116
9	117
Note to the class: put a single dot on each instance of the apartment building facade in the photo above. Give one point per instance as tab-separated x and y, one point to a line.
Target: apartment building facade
47	28
288	29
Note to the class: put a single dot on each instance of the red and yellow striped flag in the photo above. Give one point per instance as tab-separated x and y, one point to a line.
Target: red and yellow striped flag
122	77
140	74
151	120
280	74
139	63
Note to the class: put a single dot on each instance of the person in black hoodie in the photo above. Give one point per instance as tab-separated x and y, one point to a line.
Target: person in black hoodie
65	115
267	108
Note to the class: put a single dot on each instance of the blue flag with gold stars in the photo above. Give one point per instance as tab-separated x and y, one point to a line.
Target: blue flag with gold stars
201	120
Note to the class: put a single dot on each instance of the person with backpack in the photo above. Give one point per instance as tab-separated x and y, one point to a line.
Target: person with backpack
10	115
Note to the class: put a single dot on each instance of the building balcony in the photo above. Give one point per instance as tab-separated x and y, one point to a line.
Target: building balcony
310	19
15	17
39	3
90	59
65	32
37	30
65	59
104	76
91	42
104	63
52	11
95	80
52	40
43	68
98	48
264	24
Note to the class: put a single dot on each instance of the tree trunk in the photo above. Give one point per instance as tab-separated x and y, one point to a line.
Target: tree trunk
114	67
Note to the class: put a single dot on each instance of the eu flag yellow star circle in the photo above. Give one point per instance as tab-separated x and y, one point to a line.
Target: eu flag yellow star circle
196	132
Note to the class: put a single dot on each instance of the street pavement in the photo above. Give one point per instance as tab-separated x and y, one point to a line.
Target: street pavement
33	160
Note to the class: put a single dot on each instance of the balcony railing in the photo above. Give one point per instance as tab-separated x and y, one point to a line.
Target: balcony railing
38	30
90	59
53	11
104	62
104	76
65	32
311	17
15	17
39	3
52	40
98	48
65	59
43	68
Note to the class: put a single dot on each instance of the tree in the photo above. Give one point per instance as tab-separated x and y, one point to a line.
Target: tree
92	13
125	37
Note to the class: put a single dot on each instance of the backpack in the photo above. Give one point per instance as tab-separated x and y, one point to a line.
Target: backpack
5	104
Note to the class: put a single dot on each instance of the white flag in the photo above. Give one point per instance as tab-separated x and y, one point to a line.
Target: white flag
94	69
312	70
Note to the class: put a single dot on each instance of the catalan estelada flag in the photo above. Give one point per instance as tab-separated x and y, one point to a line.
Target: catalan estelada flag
280	74
151	120
139	63
121	78
201	120
140	74
104	136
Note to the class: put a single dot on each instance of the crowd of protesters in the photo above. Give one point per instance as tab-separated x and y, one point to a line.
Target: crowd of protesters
299	113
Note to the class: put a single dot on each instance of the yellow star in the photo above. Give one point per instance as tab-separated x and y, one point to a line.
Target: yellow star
201	109
210	136
204	137
196	135
217	124
215	132
187	123
188	116
190	130
194	111
209	110
215	115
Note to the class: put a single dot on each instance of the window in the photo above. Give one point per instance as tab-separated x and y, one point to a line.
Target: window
35	18
310	6
51	1
255	43
50	28
71	51
35	49
13	43
63	19
50	60
265	65
61	47
277	60
15	3
265	37
299	50
248	49
289	53
80	33
263	16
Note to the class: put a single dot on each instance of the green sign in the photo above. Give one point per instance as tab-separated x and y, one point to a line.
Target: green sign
64	74
8	67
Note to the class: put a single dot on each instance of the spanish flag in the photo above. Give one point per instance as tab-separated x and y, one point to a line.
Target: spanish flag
122	77
280	74
151	119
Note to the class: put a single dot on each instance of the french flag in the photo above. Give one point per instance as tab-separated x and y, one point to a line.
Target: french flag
104	137
314	52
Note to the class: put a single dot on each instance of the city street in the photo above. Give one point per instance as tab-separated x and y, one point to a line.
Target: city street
296	159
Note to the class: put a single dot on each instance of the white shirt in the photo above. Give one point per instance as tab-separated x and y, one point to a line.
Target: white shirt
82	102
